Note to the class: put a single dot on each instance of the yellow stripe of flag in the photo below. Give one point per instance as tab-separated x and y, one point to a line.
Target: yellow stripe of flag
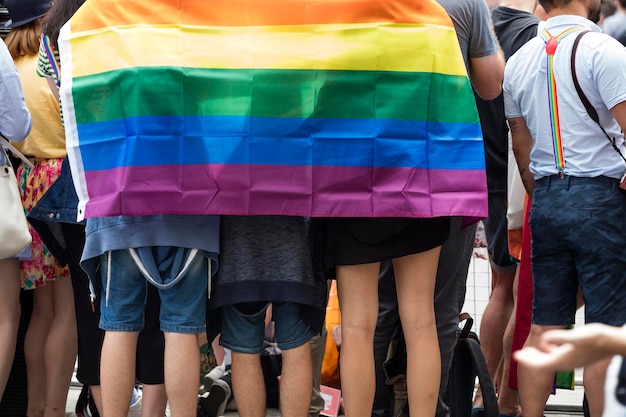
396	47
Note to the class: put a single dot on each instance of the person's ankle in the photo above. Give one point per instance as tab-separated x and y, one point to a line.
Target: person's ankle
509	410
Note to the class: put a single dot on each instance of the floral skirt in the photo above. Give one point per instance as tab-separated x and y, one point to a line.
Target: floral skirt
33	183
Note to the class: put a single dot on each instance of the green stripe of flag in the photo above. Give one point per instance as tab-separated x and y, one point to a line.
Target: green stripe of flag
157	91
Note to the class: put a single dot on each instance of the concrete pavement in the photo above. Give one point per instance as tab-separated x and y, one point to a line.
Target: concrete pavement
564	404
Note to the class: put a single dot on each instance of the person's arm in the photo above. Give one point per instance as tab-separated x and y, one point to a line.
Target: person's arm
567	349
486	62
486	75
15	121
522	142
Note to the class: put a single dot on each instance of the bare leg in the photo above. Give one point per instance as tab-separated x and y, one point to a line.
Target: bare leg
357	287
61	348
318	345
117	372
182	373
507	398
9	316
535	385
34	343
593	380
296	381
493	325
154	400
96	394
218	351
415	283
248	384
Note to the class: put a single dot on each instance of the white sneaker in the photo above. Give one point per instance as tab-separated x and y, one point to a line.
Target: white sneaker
213	375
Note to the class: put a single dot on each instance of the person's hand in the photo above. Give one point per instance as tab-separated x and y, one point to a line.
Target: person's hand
568	349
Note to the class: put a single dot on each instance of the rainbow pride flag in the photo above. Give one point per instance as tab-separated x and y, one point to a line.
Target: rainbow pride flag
256	107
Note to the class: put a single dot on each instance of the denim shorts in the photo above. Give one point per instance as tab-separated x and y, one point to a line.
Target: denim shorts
183	305
578	228
243	326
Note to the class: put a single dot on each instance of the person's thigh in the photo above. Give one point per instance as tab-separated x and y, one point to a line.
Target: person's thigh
124	293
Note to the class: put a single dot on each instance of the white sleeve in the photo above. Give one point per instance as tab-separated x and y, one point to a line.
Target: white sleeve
15	121
609	71
511	107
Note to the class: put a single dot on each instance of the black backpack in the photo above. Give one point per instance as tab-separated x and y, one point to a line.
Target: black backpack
467	364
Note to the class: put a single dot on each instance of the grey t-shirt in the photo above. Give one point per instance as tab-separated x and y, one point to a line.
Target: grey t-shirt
472	23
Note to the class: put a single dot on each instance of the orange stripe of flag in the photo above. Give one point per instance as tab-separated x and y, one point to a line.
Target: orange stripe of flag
260	12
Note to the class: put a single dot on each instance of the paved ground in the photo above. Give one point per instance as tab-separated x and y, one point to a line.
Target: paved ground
563	404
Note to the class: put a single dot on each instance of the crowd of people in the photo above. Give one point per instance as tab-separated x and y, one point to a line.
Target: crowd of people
208	169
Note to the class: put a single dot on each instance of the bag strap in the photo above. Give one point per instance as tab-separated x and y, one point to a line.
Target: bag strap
490	401
6	146
467	327
583	98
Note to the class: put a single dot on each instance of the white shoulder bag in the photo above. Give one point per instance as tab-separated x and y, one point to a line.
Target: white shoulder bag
14	234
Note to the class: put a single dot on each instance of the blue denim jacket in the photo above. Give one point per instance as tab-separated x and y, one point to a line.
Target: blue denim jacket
58	205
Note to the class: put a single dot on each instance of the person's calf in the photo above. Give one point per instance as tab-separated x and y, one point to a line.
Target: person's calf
534	385
117	372
593	380
248	384
296	381
182	373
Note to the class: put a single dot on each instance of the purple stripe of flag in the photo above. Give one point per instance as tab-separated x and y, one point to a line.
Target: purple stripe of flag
339	191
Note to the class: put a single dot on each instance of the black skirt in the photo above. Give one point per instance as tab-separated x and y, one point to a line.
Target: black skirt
356	240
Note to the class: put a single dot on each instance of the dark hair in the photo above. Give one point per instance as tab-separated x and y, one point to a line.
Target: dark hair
59	14
608	9
549	5
622	3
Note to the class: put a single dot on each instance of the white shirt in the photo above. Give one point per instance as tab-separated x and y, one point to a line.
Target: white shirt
601	72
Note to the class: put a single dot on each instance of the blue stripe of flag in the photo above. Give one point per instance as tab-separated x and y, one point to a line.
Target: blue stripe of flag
150	140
